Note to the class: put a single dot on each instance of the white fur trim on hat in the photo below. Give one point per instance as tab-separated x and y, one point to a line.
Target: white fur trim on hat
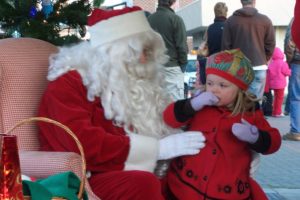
118	27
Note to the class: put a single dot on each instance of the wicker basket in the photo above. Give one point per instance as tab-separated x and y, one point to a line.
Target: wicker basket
43	119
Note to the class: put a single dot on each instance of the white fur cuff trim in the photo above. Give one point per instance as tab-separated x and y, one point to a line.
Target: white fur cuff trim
142	153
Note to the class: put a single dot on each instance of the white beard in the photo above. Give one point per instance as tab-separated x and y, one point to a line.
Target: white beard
131	93
136	103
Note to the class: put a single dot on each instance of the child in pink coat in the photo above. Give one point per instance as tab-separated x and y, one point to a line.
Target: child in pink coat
278	70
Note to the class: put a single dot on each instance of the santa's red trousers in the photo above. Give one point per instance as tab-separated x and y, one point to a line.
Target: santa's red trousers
126	185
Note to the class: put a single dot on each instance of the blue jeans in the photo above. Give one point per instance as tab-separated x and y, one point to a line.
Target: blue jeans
287	101
294	95
257	86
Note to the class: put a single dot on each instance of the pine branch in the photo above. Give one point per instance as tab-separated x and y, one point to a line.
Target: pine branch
21	16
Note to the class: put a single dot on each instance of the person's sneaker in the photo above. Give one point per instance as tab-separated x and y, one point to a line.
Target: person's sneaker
286	113
291	136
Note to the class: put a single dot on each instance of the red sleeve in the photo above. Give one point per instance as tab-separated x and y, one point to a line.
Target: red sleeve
296	24
106	147
170	117
271	138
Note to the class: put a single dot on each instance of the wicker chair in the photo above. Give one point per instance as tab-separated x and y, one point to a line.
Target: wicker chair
23	70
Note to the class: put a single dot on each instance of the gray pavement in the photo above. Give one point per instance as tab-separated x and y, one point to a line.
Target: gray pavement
279	173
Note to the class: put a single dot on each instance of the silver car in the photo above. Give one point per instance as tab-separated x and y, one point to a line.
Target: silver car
190	75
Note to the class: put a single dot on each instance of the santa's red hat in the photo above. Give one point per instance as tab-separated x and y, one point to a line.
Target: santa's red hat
110	25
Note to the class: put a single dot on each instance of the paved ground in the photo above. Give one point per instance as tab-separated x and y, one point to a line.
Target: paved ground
279	173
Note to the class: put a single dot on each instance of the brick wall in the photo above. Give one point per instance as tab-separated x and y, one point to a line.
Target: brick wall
184	2
150	5
190	44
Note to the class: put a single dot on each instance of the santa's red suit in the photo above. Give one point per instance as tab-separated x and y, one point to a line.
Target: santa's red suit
296	24
105	145
109	92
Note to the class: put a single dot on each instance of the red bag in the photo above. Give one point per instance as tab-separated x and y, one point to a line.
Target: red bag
10	172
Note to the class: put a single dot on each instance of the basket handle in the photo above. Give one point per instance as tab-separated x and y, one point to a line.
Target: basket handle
51	121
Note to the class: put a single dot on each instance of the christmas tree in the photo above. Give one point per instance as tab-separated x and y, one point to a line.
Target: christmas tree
59	22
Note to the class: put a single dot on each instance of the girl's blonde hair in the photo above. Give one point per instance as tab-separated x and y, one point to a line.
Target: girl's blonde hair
245	102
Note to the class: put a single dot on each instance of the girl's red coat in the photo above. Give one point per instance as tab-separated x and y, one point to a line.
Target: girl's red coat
221	169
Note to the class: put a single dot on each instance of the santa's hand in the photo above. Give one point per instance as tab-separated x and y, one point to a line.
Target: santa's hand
245	131
204	99
186	143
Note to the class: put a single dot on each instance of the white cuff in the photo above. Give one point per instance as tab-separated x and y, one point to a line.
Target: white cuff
260	67
142	153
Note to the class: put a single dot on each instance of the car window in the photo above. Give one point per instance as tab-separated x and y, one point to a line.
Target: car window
191	66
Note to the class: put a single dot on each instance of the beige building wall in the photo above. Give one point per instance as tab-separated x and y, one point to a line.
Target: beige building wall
280	35
198	14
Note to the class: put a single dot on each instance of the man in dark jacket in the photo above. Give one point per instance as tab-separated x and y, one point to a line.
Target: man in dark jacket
213	37
172	29
253	33
215	30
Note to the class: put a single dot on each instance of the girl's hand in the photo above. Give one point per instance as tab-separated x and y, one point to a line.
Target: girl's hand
203	99
245	131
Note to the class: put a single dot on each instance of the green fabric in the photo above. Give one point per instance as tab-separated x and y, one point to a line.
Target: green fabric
36	191
65	185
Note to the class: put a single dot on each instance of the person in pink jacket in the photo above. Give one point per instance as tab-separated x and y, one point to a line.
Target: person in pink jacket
278	69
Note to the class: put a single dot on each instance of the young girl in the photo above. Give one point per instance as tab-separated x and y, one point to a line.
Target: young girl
278	70
233	125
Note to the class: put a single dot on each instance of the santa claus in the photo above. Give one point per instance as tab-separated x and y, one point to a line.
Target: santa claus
109	91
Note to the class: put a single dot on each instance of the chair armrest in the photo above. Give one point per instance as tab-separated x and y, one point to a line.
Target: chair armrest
41	164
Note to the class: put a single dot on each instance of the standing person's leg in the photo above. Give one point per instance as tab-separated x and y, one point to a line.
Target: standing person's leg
278	100
126	185
257	86
294	94
275	103
174	78
295	99
287	101
267	103
202	67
